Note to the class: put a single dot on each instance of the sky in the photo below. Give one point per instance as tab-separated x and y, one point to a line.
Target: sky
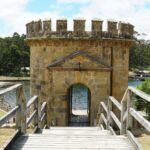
14	14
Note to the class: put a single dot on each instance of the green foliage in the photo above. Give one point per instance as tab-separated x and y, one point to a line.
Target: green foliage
145	86
2	113
14	54
140	55
148	68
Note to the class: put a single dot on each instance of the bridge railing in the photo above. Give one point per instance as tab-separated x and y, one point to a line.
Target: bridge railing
22	108
125	113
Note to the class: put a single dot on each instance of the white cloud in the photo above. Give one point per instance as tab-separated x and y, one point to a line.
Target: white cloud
14	14
12	7
73	1
133	11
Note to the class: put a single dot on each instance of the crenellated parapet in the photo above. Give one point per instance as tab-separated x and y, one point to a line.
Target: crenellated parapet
43	29
46	27
112	28
97	27
79	27
61	26
125	29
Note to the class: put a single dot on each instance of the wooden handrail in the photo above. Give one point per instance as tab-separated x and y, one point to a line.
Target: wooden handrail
20	110
9	89
140	93
116	120
104	106
31	117
43	116
31	101
115	102
9	115
140	119
104	118
126	109
43	113
43	107
129	113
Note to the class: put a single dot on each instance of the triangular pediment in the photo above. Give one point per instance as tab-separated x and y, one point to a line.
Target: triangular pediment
78	60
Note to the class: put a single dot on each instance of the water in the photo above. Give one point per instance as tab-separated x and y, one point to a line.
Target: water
79	110
80	94
10	97
134	83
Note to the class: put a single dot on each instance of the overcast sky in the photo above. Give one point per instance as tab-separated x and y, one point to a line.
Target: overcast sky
14	14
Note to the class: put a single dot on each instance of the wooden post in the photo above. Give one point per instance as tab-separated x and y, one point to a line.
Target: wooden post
46	115
129	117
23	112
101	111
39	114
109	109
123	123
123	113
36	117
18	113
98	116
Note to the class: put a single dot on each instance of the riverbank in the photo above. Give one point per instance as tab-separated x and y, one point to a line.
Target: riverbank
11	79
139	75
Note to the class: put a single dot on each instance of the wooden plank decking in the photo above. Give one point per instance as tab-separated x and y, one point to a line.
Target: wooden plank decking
67	138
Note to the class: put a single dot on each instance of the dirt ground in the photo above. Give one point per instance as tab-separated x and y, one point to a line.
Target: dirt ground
144	140
5	134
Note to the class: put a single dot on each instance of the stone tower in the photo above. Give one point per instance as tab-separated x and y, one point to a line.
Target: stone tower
59	59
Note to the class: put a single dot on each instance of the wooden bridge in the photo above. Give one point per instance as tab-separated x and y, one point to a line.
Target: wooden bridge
103	136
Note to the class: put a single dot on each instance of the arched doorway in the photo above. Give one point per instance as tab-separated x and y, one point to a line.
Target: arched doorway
79	105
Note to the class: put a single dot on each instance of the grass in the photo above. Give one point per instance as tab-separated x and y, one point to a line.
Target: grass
2	113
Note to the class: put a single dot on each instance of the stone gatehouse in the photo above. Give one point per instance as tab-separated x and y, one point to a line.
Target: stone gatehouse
60	59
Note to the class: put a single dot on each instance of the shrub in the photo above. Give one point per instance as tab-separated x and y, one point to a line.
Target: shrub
145	87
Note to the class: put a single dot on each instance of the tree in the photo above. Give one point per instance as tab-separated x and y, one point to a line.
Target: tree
140	55
14	54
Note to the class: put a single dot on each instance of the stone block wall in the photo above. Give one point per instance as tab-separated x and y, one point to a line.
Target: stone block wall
55	65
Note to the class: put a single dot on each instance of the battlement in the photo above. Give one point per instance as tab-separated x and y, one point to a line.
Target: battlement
114	29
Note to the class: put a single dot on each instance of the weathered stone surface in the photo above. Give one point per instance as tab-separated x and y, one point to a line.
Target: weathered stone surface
125	29
97	26
37	27
112	27
61	25
79	27
47	27
116	31
57	64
